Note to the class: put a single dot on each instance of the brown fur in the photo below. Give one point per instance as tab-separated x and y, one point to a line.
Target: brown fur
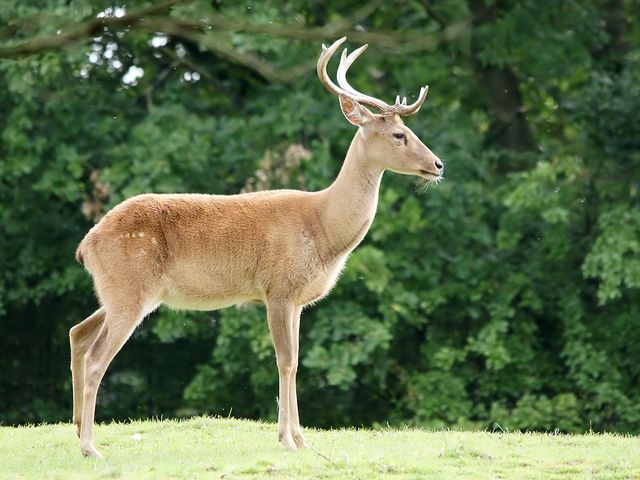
79	258
284	248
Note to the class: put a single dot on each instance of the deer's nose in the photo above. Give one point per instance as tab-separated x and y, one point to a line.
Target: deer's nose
439	165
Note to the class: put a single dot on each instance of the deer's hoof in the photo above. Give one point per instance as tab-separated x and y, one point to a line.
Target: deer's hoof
287	441
301	442
90	451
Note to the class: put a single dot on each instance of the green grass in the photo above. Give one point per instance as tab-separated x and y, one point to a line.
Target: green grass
226	448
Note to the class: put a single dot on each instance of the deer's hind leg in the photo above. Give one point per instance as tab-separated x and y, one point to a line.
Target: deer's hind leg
126	302
118	326
81	337
127	275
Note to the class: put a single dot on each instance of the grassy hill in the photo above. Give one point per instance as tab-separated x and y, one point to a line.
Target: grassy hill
227	448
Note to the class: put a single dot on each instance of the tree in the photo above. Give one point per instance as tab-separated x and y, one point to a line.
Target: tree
508	294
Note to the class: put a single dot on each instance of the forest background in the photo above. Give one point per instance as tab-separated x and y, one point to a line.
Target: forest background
505	297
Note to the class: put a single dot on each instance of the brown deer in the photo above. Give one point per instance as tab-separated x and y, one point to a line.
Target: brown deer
283	248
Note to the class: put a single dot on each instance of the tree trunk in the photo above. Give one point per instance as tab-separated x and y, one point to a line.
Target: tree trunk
500	91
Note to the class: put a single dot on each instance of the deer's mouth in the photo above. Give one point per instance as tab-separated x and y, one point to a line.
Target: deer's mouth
429	175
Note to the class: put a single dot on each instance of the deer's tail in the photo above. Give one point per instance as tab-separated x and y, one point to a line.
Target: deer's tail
79	258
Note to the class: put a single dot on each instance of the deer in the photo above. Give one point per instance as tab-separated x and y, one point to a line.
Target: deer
281	248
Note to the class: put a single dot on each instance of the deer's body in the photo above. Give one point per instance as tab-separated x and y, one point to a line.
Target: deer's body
284	248
205	252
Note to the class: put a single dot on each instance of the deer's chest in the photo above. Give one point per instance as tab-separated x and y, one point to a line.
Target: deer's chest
320	285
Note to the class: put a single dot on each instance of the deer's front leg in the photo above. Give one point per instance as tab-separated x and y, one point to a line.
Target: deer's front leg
296	430
280	314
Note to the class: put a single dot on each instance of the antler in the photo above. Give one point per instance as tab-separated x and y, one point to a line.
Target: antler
400	107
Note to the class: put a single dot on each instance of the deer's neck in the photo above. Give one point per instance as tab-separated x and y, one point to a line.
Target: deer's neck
349	205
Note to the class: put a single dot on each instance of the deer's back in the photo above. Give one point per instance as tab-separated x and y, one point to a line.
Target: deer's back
208	251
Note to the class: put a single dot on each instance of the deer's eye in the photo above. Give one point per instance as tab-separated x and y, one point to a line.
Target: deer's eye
398	135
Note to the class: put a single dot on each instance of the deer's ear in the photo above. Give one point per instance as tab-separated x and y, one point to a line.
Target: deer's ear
355	113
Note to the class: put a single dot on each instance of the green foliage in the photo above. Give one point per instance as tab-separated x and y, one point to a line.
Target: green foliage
507	295
615	257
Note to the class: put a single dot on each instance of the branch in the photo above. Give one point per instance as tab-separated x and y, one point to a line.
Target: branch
84	31
246	59
177	60
198	31
433	13
404	40
145	19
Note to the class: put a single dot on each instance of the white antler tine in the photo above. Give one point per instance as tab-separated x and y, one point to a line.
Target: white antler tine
335	45
346	61
321	67
355	54
415	106
343	57
401	106
339	42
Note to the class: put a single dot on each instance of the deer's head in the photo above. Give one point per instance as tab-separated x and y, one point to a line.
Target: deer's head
387	140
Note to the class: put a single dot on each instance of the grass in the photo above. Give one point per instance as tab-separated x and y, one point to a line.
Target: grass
217	448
